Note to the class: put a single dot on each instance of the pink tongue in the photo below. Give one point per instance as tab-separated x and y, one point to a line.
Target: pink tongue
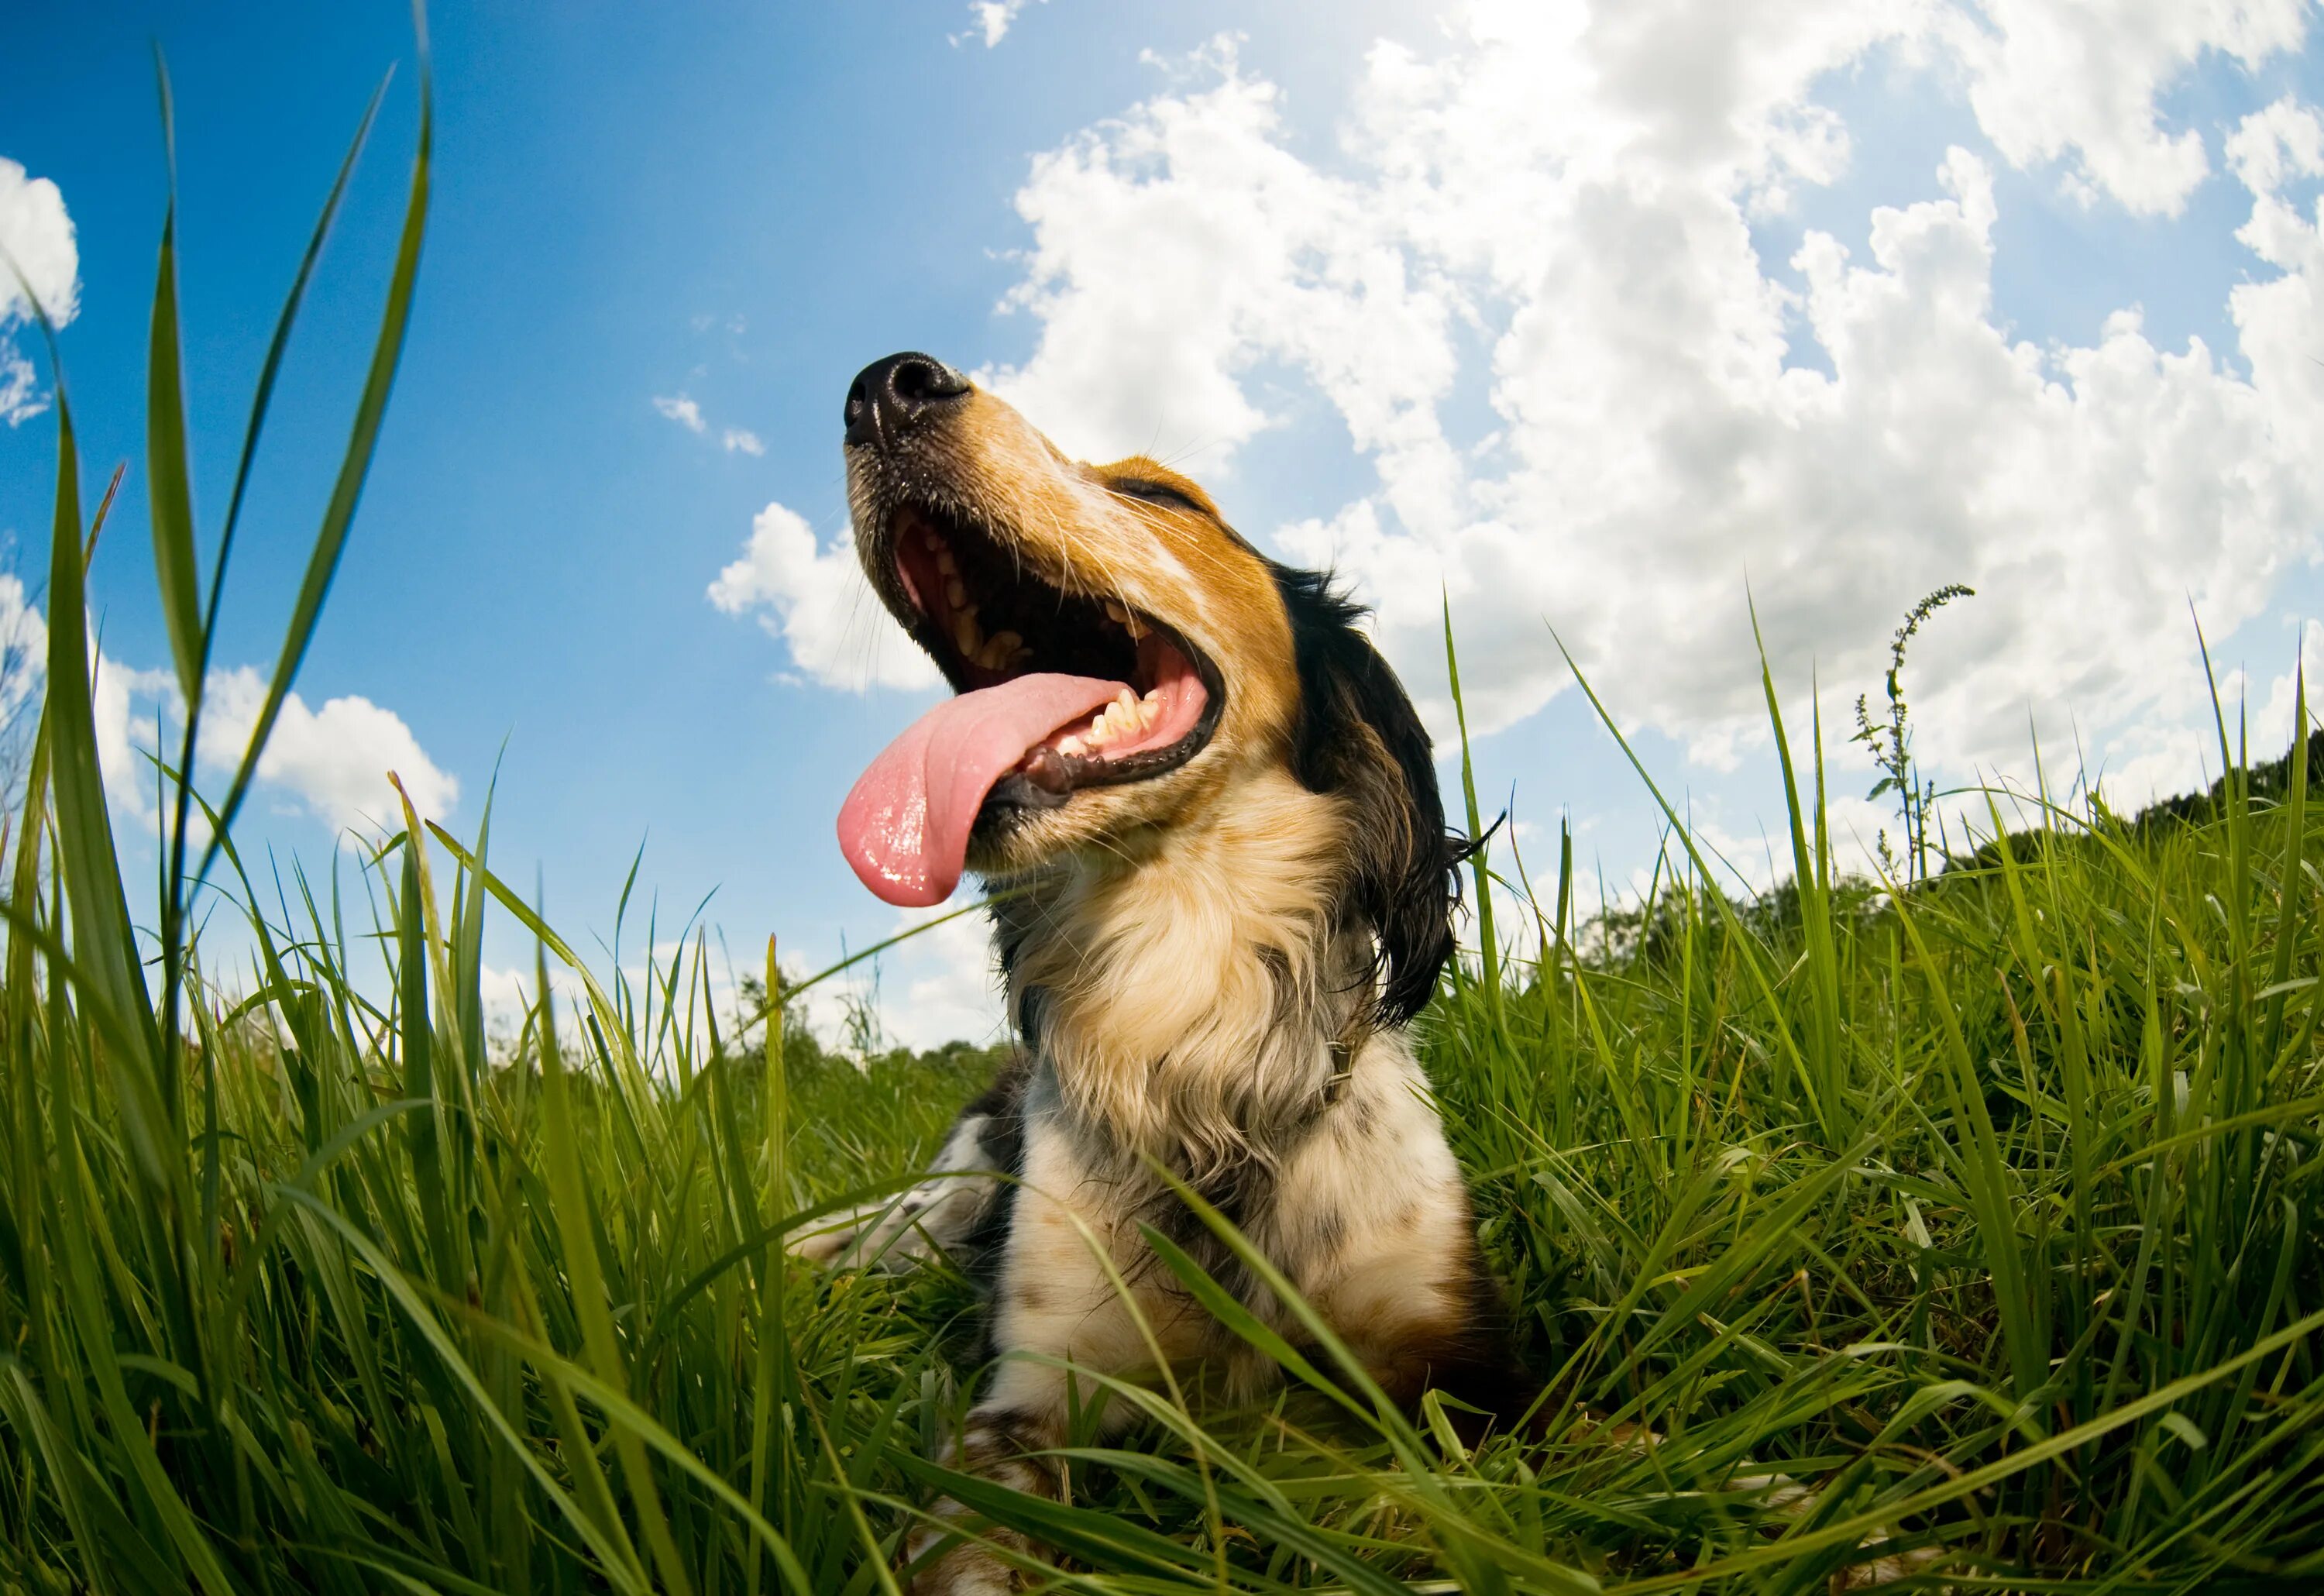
905	825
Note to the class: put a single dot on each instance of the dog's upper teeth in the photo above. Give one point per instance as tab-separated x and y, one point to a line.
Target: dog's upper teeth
1116	613
954	593
966	634
945	561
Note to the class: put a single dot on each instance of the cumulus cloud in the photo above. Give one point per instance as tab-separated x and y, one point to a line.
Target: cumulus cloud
1574	194
682	410
951	986
993	20
2052	80
335	759
741	439
817	600
129	705
24	647
37	233
332	761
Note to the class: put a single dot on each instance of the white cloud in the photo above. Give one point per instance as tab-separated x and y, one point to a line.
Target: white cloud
993	19
941	985
332	761
2285	140
817	602
508	997
682	410
687	411
37	234
127	705
1576	194
2049	79
24	647
336	759
950	983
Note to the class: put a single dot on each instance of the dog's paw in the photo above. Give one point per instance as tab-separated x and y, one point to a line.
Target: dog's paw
971	1568
830	1239
890	1237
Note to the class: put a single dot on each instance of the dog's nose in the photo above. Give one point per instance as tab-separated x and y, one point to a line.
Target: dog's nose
890	396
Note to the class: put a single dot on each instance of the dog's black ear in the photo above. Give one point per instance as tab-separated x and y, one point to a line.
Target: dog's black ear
1359	736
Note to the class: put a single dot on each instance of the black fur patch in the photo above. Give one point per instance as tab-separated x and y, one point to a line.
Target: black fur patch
1358	735
1000	1147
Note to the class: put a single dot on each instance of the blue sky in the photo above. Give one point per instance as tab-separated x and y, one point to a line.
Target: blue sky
1578	320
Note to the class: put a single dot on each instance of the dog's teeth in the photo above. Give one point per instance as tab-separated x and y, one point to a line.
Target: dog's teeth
1008	642
1137	628
954	593
1116	613
965	633
1072	745
934	544
1153	697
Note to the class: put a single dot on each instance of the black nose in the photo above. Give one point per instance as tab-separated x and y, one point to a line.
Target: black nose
890	396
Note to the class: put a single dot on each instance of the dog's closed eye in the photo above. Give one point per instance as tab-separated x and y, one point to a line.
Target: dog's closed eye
1158	493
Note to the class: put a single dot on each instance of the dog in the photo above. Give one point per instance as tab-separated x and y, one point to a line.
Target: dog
1225	889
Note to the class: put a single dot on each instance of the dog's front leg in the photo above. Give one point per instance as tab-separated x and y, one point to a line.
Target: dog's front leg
1056	1302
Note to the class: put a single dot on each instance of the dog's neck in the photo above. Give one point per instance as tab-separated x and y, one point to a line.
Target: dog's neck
1192	993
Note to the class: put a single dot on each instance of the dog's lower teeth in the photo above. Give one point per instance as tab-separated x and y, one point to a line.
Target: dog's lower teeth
954	593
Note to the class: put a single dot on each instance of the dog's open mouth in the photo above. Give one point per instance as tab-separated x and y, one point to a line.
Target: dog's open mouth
1058	690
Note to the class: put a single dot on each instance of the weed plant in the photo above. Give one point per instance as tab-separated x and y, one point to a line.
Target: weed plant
1959	1233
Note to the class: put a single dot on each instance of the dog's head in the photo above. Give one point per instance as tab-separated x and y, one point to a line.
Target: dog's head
1120	661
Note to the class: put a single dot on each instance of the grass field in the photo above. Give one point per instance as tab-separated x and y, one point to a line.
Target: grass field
1966	1234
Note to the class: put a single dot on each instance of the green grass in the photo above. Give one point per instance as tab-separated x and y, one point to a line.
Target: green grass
1987	1212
